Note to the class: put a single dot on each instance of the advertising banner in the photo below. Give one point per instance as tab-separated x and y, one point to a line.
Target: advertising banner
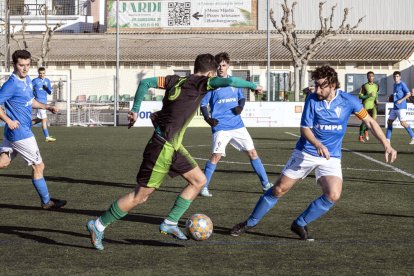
396	123
182	14
255	114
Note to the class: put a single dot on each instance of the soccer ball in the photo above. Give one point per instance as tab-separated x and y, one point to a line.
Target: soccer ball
199	227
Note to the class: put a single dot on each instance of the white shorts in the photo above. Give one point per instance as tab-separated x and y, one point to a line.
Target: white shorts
239	138
301	164
27	148
401	114
41	114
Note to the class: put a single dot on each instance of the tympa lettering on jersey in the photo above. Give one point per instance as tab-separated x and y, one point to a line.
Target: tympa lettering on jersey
228	100
330	127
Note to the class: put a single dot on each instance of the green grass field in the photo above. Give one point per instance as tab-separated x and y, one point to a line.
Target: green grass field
369	231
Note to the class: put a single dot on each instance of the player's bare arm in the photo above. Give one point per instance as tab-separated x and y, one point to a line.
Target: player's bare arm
308	135
40	105
390	153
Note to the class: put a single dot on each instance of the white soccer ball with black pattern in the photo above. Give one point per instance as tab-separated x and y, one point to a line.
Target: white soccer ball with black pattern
199	227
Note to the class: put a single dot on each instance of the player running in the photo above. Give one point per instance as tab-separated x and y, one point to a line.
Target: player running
323	126
164	153
41	88
17	96
226	105
400	96
369	95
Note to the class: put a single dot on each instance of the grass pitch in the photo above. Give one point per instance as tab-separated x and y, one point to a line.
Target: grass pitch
369	231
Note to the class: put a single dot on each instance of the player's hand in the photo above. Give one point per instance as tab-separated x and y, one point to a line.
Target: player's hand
212	122
399	102
132	118
13	125
237	110
258	90
53	109
390	153
323	151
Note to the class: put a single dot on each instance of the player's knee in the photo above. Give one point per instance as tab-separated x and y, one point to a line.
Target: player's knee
279	191
404	124
333	196
4	160
38	169
215	158
389	123
252	154
200	181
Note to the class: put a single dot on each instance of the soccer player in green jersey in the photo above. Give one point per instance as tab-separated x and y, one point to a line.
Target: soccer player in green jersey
369	95
164	153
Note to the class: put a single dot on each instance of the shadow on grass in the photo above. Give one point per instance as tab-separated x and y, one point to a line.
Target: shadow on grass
28	233
378	181
226	231
387	215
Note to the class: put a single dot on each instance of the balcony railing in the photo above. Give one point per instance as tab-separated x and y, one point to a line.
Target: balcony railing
54	7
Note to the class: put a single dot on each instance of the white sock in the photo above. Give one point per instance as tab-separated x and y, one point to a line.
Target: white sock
99	226
169	222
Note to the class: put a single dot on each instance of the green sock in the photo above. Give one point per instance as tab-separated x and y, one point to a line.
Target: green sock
114	213
362	128
180	206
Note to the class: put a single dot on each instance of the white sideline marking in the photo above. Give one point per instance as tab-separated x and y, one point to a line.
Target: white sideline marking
395	169
278	165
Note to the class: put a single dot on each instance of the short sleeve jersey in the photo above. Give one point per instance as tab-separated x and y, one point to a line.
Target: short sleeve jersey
222	100
38	91
400	91
182	99
328	121
17	97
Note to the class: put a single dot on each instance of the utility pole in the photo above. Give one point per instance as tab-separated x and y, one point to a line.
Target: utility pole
7	33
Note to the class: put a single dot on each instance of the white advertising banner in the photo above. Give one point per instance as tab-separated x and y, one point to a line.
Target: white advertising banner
255	114
181	14
410	115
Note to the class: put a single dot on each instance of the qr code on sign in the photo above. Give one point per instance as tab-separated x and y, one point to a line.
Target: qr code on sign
179	13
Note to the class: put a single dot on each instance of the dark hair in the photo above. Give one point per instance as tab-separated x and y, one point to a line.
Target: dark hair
41	69
205	63
23	54
370	72
396	73
220	57
327	72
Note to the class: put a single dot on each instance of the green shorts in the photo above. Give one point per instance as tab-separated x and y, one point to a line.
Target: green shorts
159	159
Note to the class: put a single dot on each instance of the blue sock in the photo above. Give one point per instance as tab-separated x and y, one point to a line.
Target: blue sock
410	131
45	132
260	170
317	208
389	131
209	171
265	203
41	188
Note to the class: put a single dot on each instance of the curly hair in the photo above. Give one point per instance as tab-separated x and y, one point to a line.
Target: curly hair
327	72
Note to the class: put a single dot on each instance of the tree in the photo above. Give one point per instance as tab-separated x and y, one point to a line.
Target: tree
46	39
301	55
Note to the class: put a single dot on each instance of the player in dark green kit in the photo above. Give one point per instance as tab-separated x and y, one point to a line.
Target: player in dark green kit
164	153
369	95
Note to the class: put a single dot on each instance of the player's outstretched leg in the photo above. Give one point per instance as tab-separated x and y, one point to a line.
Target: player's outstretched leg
170	225
96	235
258	167
97	227
265	203
208	171
316	209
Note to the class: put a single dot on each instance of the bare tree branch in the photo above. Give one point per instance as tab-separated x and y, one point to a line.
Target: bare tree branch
302	55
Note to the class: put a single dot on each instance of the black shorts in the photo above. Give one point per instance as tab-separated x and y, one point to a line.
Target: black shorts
159	159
